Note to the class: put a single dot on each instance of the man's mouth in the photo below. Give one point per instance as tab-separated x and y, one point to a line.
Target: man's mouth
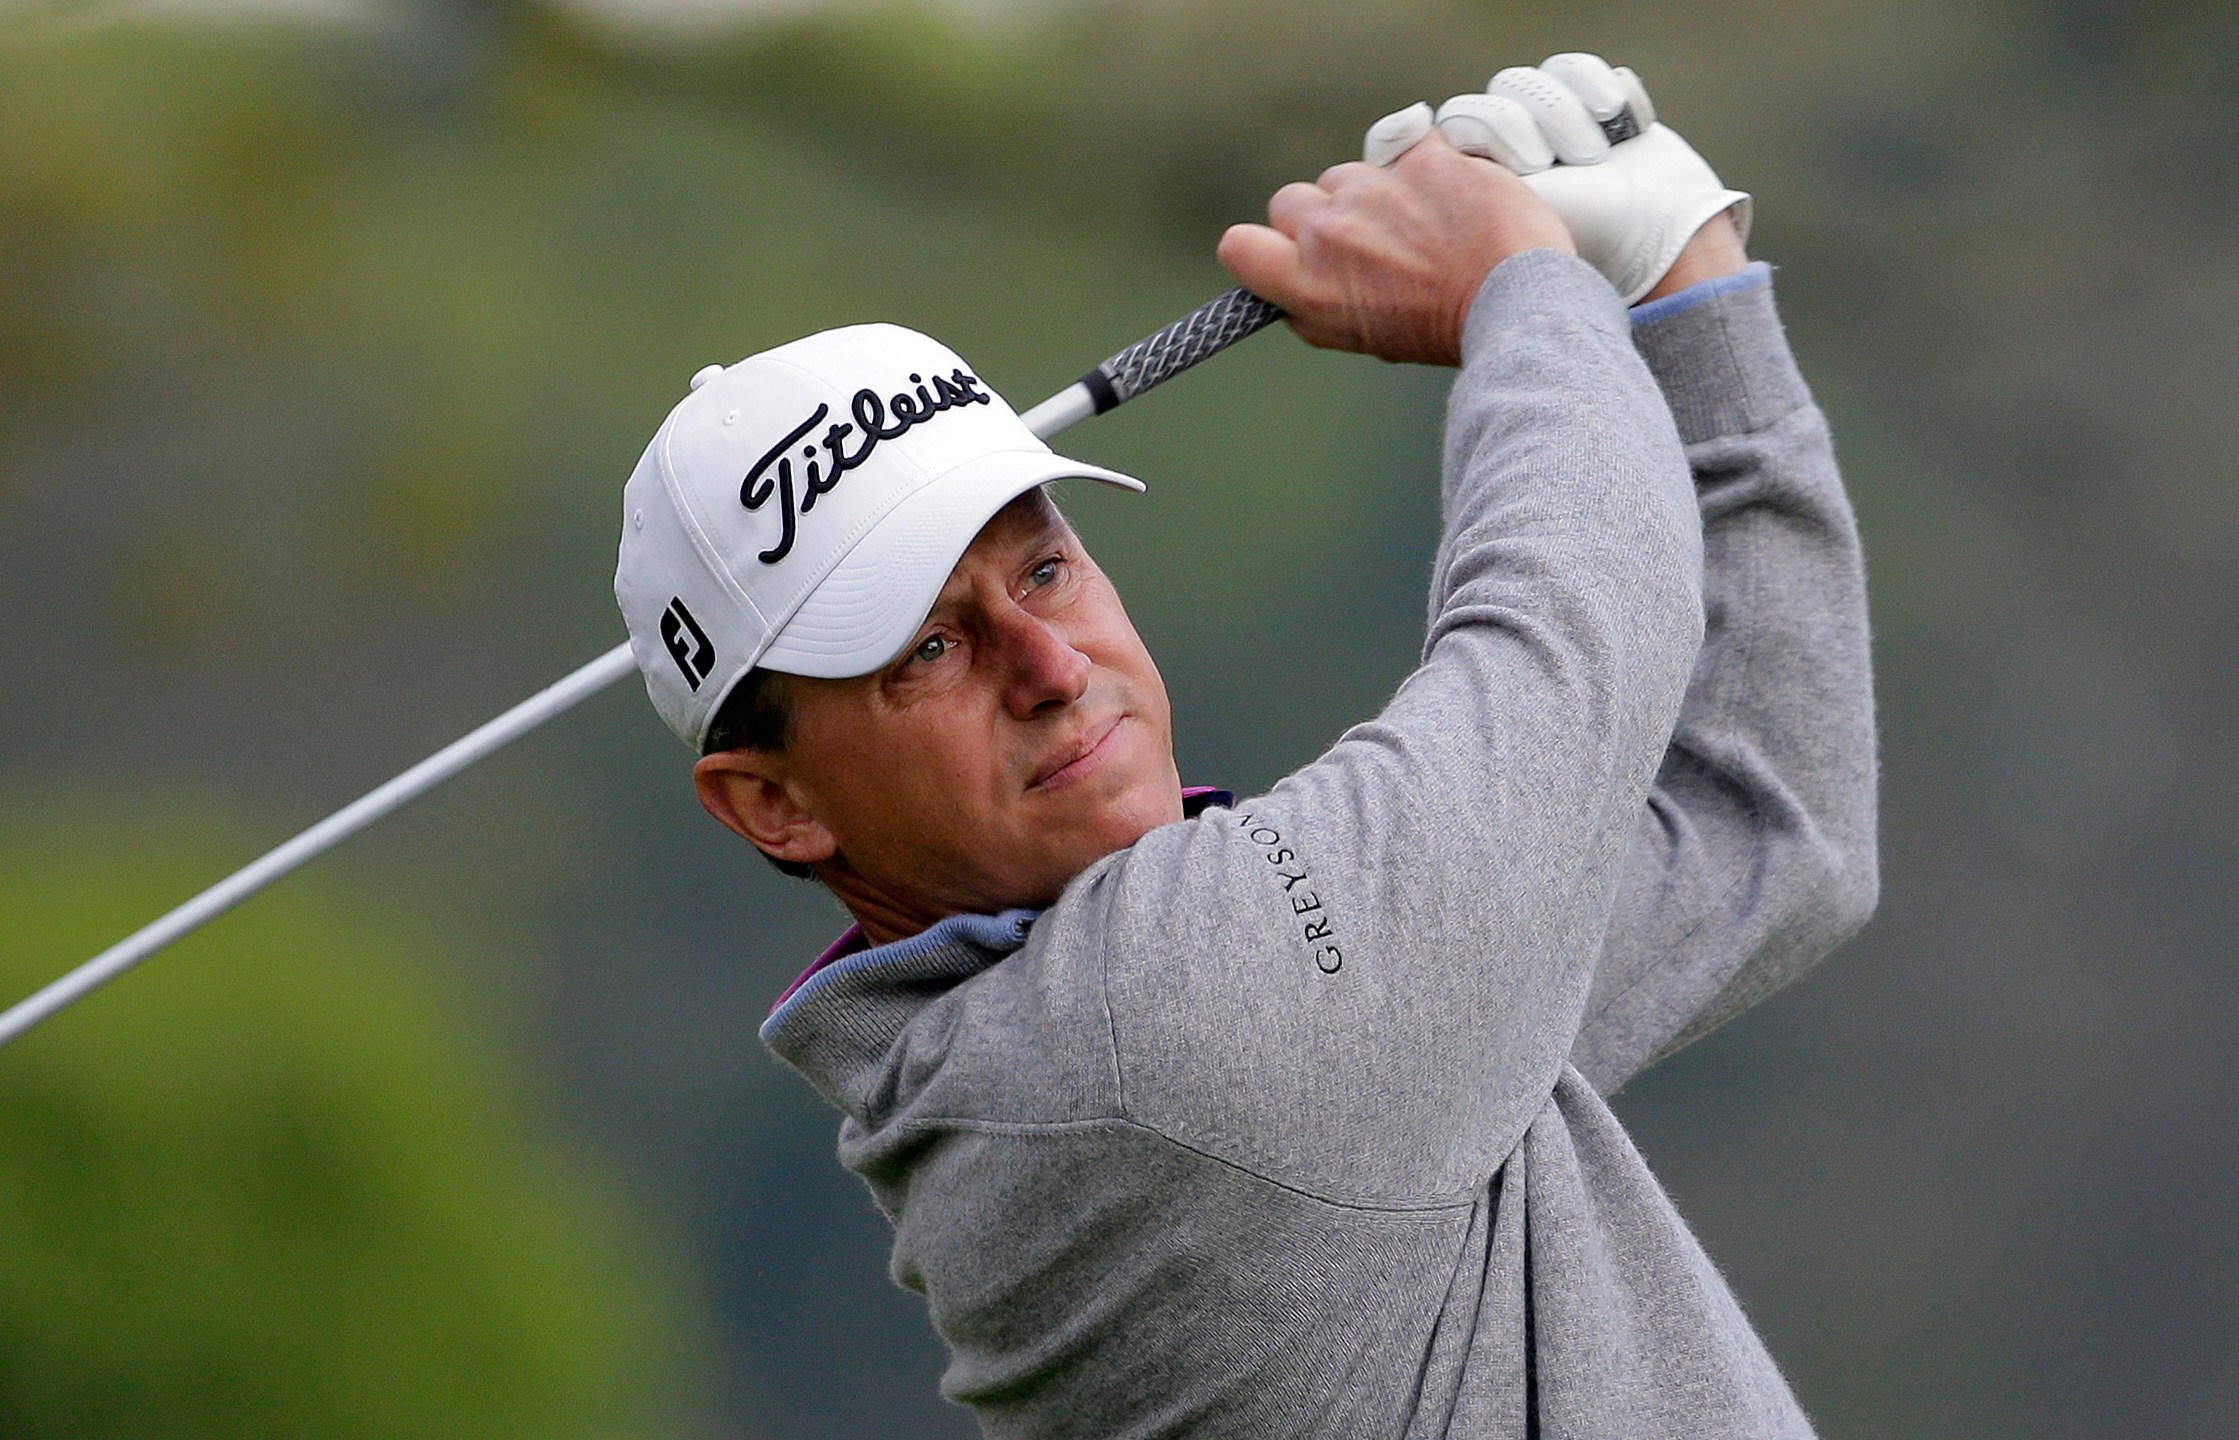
1096	748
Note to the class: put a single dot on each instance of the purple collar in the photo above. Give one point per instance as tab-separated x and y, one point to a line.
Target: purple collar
853	941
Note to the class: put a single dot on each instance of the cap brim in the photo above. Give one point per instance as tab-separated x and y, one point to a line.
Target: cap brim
871	604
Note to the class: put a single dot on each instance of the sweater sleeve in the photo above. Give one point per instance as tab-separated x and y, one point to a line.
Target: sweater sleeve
1755	852
1368	980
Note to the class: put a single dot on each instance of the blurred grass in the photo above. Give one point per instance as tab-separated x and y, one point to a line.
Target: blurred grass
278	1184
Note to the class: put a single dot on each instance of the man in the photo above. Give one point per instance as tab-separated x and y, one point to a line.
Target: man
1285	1116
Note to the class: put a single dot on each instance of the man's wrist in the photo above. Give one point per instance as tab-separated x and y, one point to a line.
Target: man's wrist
1652	312
1535	287
1711	253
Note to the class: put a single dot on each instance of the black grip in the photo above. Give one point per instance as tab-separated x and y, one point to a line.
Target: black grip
1206	331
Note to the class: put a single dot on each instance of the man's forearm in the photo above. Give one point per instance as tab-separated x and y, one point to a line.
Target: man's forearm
1756	851
1424	904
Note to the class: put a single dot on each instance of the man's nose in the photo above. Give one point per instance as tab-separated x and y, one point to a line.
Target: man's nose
1043	670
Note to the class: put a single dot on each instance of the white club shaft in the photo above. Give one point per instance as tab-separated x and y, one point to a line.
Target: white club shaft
1054	414
1067	407
316	841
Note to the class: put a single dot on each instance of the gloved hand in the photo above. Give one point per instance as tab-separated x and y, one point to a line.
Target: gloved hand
1584	135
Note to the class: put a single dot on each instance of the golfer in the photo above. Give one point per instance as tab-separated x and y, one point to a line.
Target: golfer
1285	1115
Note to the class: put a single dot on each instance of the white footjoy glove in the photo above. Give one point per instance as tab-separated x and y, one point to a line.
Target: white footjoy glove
1584	135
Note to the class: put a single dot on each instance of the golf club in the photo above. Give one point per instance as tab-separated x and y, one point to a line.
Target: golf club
1204	332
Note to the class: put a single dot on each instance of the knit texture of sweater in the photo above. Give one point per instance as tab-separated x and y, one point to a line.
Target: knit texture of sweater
1289	1119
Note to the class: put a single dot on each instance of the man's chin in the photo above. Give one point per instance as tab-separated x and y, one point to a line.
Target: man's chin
1107	828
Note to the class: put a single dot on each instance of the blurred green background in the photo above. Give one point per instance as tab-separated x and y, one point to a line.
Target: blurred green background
330	328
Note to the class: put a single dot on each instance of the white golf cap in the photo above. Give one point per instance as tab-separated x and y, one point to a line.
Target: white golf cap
802	509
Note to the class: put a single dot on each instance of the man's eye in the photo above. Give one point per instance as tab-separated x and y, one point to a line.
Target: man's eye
931	648
1045	573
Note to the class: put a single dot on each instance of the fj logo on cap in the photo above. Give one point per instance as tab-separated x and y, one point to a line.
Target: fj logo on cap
945	392
687	643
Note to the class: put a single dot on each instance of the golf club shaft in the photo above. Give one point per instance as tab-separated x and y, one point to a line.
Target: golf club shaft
1204	332
320	838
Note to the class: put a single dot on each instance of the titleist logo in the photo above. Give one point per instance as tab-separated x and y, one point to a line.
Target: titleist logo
876	419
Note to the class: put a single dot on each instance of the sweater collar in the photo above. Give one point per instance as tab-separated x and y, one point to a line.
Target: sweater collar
839	1023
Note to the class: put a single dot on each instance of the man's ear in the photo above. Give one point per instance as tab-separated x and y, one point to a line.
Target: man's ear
748	791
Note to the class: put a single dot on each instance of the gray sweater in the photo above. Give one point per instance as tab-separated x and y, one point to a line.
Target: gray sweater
1289	1119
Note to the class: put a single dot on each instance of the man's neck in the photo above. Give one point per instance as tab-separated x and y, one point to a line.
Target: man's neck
884	917
882	927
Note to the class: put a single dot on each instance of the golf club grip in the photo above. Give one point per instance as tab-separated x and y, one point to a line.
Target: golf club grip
1206	331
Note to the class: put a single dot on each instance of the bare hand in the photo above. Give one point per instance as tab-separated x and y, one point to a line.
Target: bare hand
1387	260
